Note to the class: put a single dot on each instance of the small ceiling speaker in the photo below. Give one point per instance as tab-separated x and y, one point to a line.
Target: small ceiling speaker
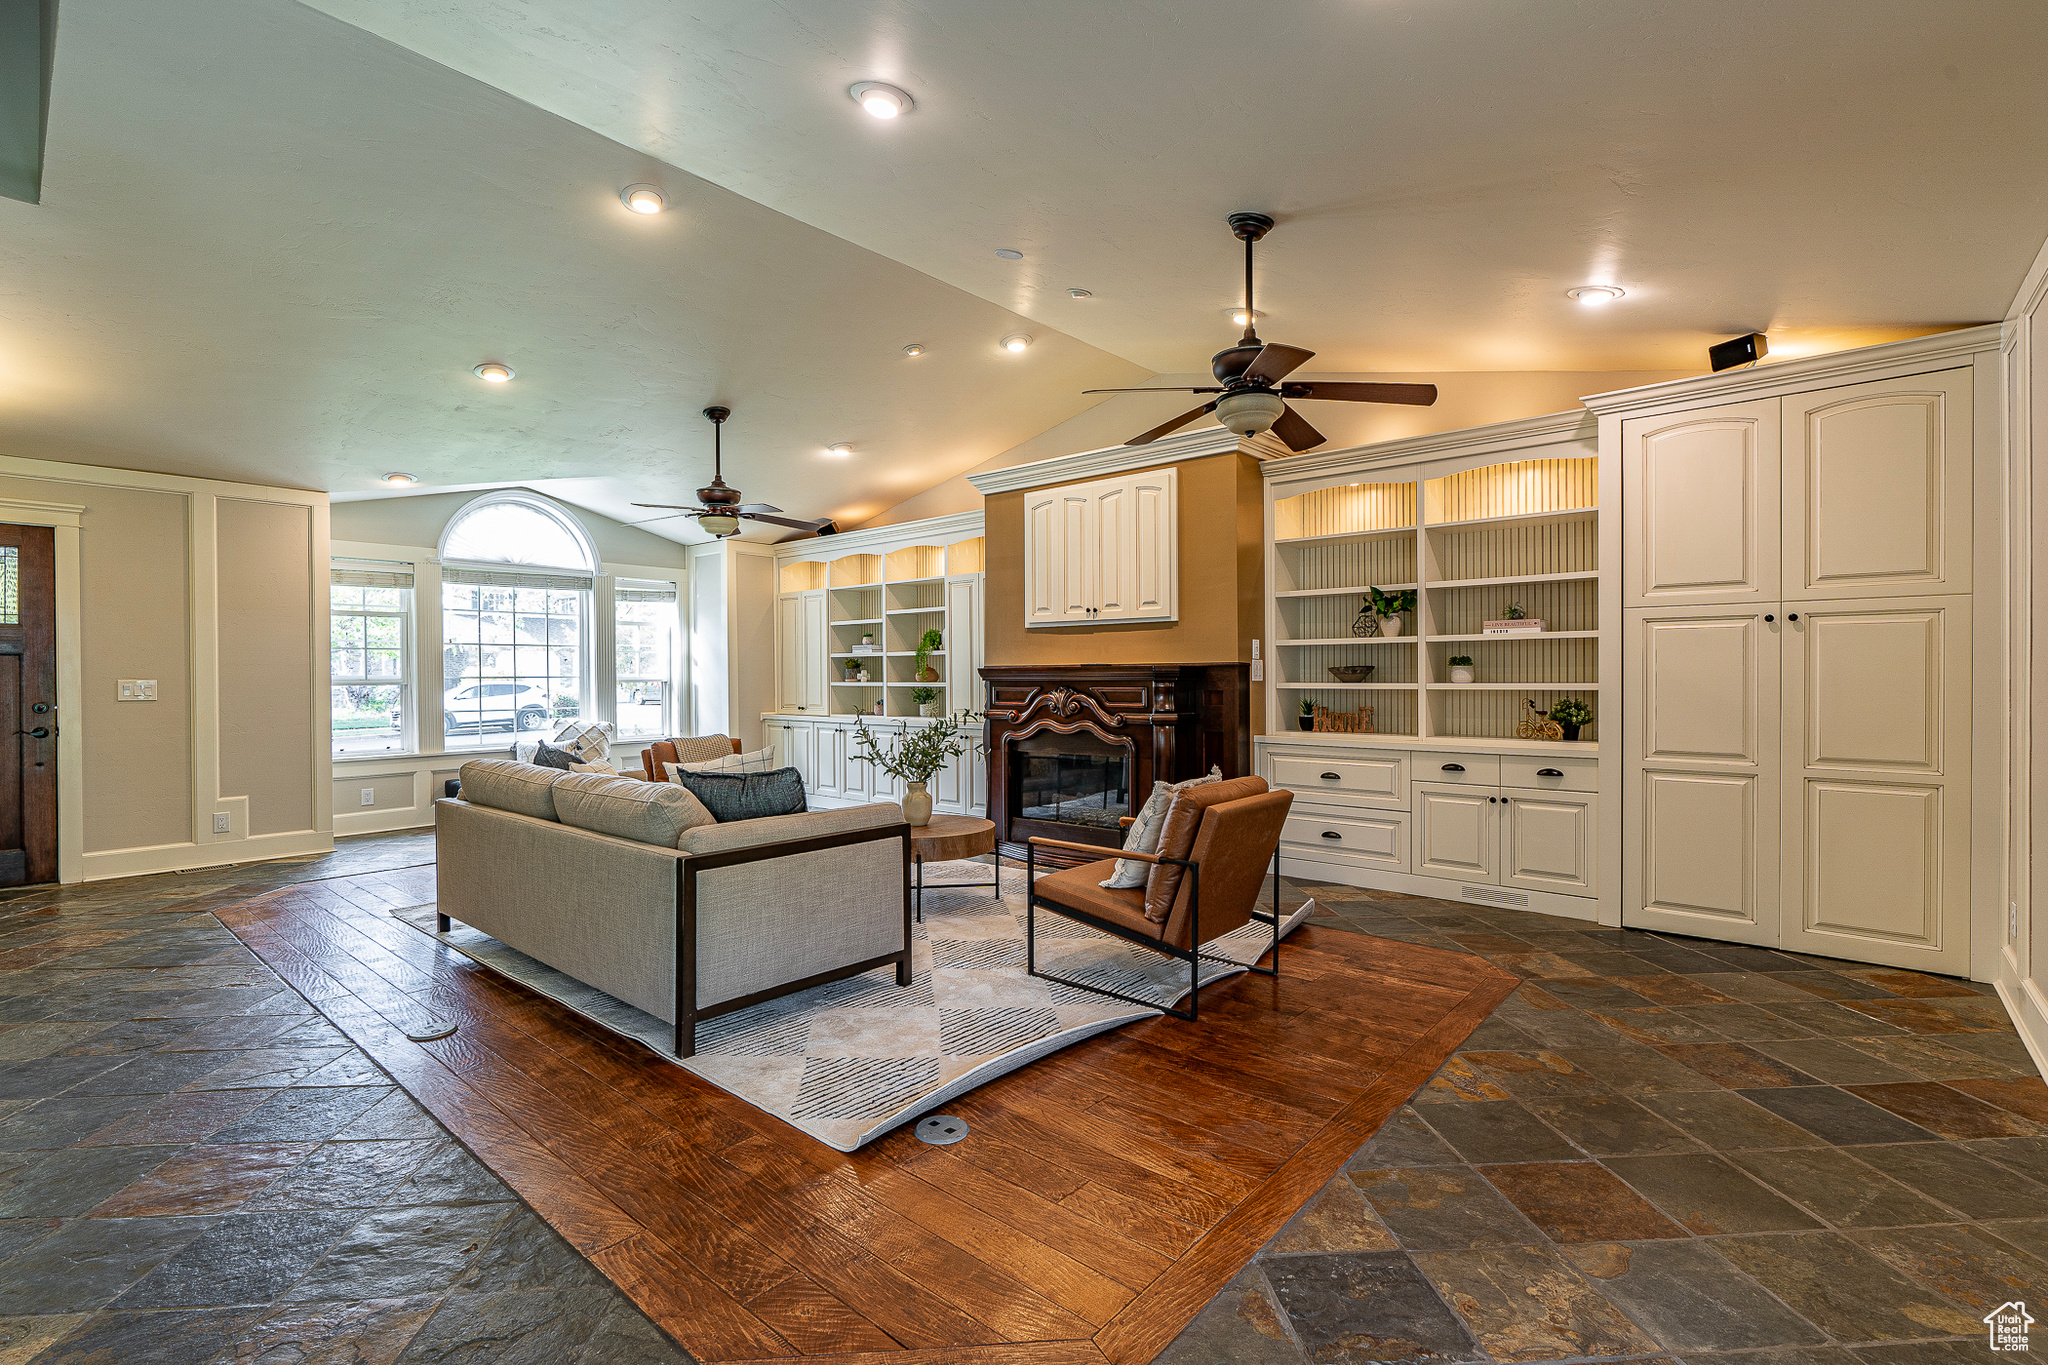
1740	351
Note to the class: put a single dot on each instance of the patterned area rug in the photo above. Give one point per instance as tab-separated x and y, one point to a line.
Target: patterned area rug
848	1061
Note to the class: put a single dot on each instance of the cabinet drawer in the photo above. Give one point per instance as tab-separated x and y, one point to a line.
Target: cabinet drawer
1377	780
1550	774
1361	838
1464	769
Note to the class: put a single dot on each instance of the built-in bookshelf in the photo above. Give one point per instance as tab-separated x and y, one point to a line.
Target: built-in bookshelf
1471	543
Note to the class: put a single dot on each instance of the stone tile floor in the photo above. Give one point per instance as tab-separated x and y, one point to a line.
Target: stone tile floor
195	1168
1668	1147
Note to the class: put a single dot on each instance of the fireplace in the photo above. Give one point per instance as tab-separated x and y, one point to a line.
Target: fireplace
1073	748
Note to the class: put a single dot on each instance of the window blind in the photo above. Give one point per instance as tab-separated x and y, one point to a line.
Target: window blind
506	578
360	574
644	590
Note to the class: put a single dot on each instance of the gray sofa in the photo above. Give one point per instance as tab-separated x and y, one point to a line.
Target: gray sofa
627	886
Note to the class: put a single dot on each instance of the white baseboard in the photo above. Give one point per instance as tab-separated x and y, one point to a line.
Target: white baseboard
1481	895
154	858
382	821
2029	1013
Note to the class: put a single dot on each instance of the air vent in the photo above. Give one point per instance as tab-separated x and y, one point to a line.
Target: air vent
1496	896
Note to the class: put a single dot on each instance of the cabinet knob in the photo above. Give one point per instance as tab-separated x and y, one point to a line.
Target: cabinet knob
1333	777
1550	772
1331	834
1454	767
1791	616
1769	617
1491	800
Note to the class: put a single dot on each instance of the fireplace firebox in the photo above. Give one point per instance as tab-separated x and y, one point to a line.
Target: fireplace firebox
1074	748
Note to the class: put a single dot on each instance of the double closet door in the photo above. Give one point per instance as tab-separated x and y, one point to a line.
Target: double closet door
1796	672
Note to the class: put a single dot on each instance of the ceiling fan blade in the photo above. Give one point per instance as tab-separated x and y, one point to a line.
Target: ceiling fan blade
747	507
678	506
666	516
785	521
1174	425
1176	389
1417	395
1275	363
1294	429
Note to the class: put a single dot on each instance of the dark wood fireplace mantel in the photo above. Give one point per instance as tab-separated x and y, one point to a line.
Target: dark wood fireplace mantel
1172	721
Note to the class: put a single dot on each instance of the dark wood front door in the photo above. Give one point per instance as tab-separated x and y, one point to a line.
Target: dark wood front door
28	705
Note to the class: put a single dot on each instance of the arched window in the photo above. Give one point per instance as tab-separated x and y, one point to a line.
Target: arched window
522	529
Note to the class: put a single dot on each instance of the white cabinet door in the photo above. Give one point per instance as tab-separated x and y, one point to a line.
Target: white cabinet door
803	750
1457	832
788	651
811	687
1115	524
1102	551
1700	772
1876	772
775	734
946	788
1877	489
1700	506
964	690
1152	585
828	760
1059	556
1548	841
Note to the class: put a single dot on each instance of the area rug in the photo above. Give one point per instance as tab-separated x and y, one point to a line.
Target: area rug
848	1061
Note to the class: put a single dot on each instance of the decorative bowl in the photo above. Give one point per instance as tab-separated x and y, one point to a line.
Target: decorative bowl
1352	673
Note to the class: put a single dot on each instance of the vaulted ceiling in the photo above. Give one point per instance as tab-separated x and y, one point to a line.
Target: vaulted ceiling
274	238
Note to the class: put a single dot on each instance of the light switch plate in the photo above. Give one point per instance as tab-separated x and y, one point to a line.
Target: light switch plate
136	689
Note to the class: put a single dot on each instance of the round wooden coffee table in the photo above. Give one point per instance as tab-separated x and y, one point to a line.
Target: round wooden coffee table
949	838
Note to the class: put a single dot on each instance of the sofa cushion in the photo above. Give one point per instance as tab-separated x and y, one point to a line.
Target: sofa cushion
645	812
760	760
701	748
746	796
503	784
1085	888
778	829
1177	837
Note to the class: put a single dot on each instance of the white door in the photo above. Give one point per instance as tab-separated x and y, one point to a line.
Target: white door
1457	832
1700	772
1877	489
1547	841
1153	588
1700	506
1876	775
788	652
811	685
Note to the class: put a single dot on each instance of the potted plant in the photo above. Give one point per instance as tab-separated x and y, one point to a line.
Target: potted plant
852	671
867	639
1388	606
1515	612
1570	713
1461	668
913	756
927	699
922	670
1306	718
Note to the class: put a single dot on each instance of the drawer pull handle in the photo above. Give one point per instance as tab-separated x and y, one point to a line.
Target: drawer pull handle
1550	772
1333	777
1454	767
1331	834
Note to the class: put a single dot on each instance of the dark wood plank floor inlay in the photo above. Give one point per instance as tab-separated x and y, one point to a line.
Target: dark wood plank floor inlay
1106	1194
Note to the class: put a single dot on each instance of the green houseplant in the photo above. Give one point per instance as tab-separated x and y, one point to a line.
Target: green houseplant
927	699
1570	713
1389	606
912	756
1306	715
1461	668
922	670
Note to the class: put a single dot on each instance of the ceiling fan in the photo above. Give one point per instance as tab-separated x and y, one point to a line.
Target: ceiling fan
1251	376
722	511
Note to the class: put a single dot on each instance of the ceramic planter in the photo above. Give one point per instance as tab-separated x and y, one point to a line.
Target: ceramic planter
1390	626
1461	674
917	805
930	710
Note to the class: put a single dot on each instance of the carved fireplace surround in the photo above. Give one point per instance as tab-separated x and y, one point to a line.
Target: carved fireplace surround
1071	747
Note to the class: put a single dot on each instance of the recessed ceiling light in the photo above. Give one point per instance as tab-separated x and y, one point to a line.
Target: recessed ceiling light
491	372
883	101
842	449
397	480
1080	293
1009	253
914	349
1014	344
1593	295
642	199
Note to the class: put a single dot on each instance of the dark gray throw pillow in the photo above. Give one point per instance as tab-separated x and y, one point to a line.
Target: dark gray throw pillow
547	756
747	796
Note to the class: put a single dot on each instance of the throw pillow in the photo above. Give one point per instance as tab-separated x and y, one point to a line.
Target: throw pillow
548	756
1143	836
700	748
594	766
587	739
746	796
757	761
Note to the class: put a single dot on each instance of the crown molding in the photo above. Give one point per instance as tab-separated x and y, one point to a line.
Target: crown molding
931	530
1096	464
1790	376
1556	428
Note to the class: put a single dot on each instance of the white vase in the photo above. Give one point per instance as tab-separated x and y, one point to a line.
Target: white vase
917	805
1461	675
1390	626
929	709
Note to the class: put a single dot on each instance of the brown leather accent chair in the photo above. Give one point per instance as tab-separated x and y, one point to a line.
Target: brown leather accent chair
1214	849
665	751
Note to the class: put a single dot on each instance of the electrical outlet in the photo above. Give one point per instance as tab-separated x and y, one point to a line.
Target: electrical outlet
136	689
369	796
222	823
1258	670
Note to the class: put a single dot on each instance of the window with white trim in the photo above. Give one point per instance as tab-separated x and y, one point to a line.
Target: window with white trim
647	647
369	656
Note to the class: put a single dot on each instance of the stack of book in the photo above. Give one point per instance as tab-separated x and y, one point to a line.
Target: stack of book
1527	625
861	649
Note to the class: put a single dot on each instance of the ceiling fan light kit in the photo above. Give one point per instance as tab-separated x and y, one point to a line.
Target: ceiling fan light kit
1251	377
719	511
